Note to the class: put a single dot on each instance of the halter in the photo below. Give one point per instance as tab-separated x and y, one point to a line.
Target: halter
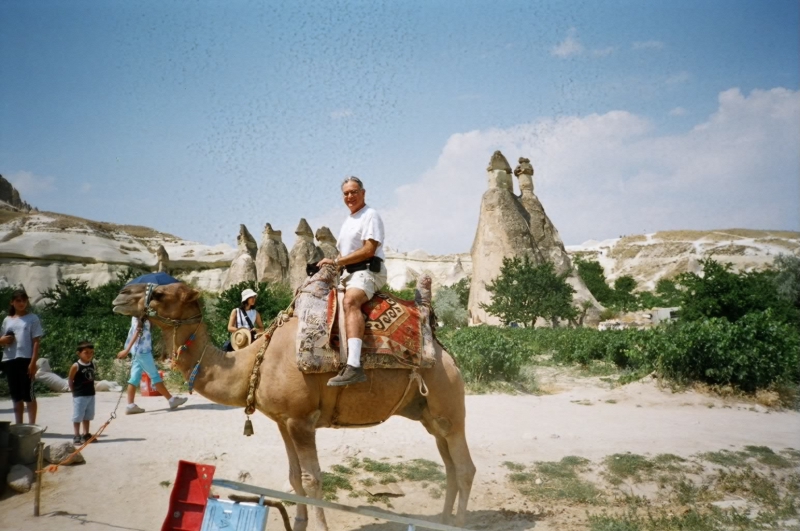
153	314
175	324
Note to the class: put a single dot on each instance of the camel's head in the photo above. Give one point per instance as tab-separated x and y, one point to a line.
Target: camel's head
172	301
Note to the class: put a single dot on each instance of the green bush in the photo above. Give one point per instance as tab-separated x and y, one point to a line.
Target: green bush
485	353
756	352
74	312
753	353
448	308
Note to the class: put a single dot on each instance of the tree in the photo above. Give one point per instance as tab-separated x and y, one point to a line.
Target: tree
524	291
624	298
668	292
593	275
448	307
787	278
720	292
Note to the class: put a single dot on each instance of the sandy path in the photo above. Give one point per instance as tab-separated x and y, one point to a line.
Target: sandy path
118	487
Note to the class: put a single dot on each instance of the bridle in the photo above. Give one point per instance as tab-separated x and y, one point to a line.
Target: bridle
151	313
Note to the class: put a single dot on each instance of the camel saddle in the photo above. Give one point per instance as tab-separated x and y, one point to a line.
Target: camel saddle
398	333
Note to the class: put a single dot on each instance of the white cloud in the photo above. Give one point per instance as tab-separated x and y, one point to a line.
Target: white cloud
677	111
603	175
647	45
680	77
30	185
569	46
341	113
603	52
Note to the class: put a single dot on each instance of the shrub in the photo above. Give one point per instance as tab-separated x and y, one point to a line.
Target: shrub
755	352
448	308
486	353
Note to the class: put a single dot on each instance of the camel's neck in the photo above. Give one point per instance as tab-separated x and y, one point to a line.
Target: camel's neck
222	376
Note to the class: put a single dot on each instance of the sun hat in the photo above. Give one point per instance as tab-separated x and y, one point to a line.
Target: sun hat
246	294
241	339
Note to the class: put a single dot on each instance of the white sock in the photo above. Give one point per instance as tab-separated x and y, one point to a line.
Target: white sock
354	352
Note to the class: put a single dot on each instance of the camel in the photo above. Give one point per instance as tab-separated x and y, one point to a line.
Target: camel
300	403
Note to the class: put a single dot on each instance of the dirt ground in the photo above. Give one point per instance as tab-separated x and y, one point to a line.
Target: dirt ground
123	483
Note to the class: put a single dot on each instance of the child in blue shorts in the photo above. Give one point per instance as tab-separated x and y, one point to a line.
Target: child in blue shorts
140	344
81	383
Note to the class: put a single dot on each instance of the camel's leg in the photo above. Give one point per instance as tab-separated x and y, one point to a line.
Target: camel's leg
465	471
449	467
301	518
302	432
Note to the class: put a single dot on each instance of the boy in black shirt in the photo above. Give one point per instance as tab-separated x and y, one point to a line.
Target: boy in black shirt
81	383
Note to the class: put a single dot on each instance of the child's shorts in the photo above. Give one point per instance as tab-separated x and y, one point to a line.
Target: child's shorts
82	408
144	362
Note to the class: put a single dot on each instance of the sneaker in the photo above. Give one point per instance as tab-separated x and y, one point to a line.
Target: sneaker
176	401
85	437
133	409
77	440
349	375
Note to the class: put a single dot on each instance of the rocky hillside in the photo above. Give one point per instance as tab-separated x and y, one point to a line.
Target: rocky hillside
37	249
650	257
10	198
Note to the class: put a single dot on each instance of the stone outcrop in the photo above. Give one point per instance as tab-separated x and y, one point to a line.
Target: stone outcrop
10	196
510	226
243	266
327	243
272	260
163	260
303	252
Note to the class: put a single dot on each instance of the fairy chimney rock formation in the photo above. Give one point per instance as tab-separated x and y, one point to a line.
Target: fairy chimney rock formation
524	172
511	226
272	260
327	243
243	266
500	172
302	253
163	260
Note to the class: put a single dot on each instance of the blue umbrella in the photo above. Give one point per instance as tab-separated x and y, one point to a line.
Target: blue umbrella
159	279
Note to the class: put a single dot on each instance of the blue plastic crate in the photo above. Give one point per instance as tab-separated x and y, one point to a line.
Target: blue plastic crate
223	515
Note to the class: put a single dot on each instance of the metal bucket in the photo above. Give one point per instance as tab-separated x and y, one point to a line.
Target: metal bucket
4	426
23	439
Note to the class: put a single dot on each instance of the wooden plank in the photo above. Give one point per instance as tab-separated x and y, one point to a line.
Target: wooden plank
372	512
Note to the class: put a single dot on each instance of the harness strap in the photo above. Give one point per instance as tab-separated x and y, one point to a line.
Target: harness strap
423	389
255	375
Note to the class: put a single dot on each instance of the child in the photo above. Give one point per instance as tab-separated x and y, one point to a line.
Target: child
81	383
20	335
140	343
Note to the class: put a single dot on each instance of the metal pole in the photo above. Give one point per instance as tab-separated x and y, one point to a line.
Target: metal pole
39	476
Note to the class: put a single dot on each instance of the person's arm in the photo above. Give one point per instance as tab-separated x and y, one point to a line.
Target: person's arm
259	324
232	322
6	340
71	378
127	350
32	368
366	252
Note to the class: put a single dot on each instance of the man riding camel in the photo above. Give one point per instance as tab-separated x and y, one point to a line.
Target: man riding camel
361	255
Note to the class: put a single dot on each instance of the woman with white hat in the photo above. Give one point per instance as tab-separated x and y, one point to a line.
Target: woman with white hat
245	317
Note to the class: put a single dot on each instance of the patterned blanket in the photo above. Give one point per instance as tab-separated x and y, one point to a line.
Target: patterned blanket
398	333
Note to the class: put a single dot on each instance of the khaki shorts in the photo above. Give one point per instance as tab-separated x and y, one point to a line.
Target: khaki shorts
367	281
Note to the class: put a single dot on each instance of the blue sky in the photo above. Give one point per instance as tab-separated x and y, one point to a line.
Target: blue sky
193	117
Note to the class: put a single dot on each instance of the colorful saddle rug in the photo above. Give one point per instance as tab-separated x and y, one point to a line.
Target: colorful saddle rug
398	333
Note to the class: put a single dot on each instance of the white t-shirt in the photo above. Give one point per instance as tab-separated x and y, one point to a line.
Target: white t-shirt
364	225
26	328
